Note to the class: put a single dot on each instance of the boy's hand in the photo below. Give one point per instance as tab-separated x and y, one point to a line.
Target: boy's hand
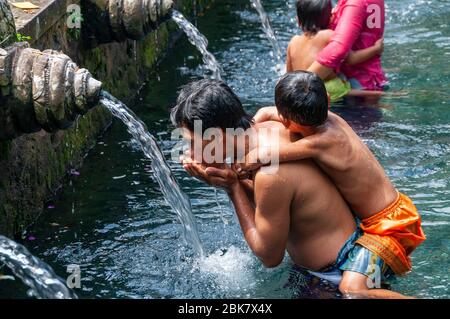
265	114
253	161
379	45
241	174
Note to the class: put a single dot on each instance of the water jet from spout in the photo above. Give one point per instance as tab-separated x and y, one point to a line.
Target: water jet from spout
200	42
172	192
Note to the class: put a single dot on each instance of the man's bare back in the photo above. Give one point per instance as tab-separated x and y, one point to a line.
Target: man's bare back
320	221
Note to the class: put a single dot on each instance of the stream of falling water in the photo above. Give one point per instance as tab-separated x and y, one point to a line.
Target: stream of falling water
200	42
268	31
171	190
34	273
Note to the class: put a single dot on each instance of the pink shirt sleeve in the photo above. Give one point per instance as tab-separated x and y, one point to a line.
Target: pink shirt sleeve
348	29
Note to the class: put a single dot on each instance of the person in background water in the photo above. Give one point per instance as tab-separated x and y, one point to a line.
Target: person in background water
357	24
313	17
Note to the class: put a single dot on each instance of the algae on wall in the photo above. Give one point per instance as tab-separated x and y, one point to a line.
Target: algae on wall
33	166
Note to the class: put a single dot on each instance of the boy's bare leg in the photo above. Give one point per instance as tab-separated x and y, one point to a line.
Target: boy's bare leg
354	285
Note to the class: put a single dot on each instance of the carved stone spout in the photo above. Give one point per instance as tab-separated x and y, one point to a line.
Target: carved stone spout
118	20
42	90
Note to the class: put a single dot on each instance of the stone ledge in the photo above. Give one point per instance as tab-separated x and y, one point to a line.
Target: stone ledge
37	22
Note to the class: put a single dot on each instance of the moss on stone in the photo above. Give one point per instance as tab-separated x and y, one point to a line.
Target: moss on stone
154	46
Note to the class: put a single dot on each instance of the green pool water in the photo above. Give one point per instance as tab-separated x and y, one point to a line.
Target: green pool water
112	219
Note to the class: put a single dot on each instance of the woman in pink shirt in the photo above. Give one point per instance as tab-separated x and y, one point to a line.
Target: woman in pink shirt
357	25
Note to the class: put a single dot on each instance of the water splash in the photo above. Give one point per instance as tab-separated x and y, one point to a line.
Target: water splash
231	269
171	190
268	31
200	42
37	275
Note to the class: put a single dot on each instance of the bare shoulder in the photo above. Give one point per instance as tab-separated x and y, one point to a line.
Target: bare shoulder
274	178
296	38
327	135
335	132
267	177
295	41
321	140
273	192
336	122
283	174
325	35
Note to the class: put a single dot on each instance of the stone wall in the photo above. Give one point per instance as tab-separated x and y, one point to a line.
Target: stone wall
33	167
7	28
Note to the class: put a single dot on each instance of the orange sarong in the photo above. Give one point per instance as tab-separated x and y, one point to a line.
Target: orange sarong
394	233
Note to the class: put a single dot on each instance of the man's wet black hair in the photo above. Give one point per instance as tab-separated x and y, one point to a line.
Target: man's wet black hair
212	102
314	15
301	97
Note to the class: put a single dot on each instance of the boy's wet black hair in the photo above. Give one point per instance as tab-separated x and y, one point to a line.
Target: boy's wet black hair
314	15
212	102
301	97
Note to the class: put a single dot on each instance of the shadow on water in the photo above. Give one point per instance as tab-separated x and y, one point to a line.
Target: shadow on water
113	221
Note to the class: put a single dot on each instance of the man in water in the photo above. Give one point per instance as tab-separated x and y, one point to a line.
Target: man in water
295	209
